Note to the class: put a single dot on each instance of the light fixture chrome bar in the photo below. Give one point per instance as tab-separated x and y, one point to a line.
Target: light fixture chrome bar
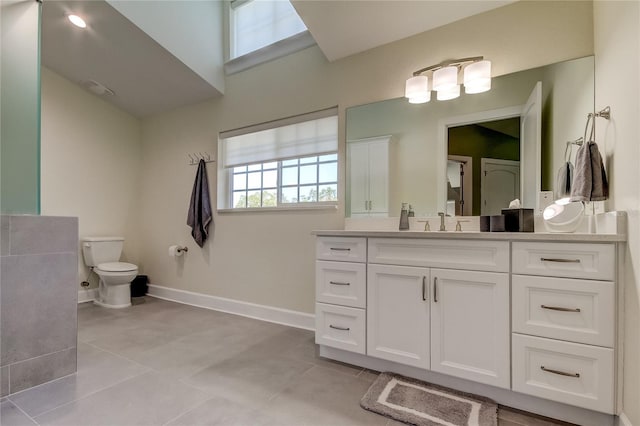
453	62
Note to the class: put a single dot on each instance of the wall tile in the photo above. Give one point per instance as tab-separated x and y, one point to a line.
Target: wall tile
36	371
38	308
4	381
43	234
5	223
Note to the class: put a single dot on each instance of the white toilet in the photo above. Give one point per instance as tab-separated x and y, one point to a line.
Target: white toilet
102	255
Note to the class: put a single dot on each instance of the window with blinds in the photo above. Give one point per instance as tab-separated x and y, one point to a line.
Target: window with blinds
281	164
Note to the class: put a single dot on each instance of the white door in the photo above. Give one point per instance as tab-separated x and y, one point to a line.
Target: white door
499	184
358	166
470	325
398	314
530	143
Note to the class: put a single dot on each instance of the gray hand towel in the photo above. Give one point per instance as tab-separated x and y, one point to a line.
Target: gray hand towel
199	216
590	179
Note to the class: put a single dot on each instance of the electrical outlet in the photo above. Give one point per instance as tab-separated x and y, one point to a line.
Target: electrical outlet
545	198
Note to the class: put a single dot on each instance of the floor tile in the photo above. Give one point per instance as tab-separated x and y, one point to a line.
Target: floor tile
97	370
223	412
10	415
250	378
323	396
149	399
162	363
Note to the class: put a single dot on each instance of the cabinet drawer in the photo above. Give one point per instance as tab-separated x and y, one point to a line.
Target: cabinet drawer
576	310
348	249
341	283
572	260
341	327
492	256
572	373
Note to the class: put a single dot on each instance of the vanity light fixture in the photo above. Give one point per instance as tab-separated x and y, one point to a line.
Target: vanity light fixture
445	76
77	21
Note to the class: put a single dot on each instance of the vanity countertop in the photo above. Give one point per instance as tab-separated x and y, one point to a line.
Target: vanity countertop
475	235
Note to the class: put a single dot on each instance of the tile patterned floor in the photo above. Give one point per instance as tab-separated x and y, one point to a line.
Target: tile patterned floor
162	363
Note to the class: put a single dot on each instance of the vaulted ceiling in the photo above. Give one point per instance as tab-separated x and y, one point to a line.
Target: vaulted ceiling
148	77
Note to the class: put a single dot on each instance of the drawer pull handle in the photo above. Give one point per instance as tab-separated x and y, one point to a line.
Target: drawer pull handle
338	283
558	308
339	249
551	259
424	287
338	328
562	373
435	289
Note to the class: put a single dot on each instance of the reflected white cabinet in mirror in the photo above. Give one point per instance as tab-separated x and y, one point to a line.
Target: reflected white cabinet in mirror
419	171
368	176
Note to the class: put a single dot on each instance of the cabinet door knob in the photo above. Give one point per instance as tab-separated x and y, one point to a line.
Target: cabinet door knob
424	287
338	283
339	328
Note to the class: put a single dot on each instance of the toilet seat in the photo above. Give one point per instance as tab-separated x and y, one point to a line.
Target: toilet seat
117	267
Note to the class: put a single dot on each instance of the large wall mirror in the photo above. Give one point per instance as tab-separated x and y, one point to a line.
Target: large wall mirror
470	155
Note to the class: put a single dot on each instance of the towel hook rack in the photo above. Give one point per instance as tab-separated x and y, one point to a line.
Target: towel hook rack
194	158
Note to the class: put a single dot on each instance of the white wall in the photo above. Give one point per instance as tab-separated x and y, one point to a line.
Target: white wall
617	51
268	258
171	22
91	163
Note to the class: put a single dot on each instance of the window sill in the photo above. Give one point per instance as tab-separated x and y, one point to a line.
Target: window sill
298	208
268	53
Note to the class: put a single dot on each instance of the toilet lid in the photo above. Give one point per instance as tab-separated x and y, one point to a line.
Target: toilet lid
117	267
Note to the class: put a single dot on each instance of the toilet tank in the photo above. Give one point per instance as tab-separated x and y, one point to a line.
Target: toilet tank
97	250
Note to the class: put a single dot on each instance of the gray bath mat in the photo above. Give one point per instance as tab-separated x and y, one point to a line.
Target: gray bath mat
424	404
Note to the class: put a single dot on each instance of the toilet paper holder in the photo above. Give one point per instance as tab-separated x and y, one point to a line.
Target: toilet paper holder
176	250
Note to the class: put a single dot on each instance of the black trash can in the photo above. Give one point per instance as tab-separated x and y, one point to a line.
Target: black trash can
139	286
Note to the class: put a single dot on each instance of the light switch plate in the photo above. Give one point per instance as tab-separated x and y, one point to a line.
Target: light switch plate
545	198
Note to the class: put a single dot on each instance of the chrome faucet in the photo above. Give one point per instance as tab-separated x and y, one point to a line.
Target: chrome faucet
442	228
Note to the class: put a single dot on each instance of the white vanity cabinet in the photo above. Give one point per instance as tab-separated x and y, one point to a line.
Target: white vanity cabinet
453	321
368	174
563	322
526	319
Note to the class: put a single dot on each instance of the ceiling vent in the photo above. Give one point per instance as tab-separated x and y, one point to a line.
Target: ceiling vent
97	88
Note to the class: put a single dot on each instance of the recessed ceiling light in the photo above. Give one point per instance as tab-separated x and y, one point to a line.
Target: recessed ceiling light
77	21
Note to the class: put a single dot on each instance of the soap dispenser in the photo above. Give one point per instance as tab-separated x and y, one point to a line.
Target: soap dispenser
411	212
404	218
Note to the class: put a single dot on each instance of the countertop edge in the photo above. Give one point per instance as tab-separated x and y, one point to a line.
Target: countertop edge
474	235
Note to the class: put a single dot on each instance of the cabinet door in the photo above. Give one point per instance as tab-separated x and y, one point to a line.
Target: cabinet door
470	325
379	178
398	314
358	173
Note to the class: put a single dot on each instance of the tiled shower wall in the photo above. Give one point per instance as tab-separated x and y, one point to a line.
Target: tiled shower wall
38	300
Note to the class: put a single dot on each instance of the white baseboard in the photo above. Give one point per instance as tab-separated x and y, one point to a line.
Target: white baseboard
623	420
237	307
87	295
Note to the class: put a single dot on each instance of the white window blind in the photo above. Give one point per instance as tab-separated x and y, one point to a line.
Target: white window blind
309	134
259	23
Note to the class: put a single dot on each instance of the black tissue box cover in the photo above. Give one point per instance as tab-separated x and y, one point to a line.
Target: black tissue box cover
518	220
